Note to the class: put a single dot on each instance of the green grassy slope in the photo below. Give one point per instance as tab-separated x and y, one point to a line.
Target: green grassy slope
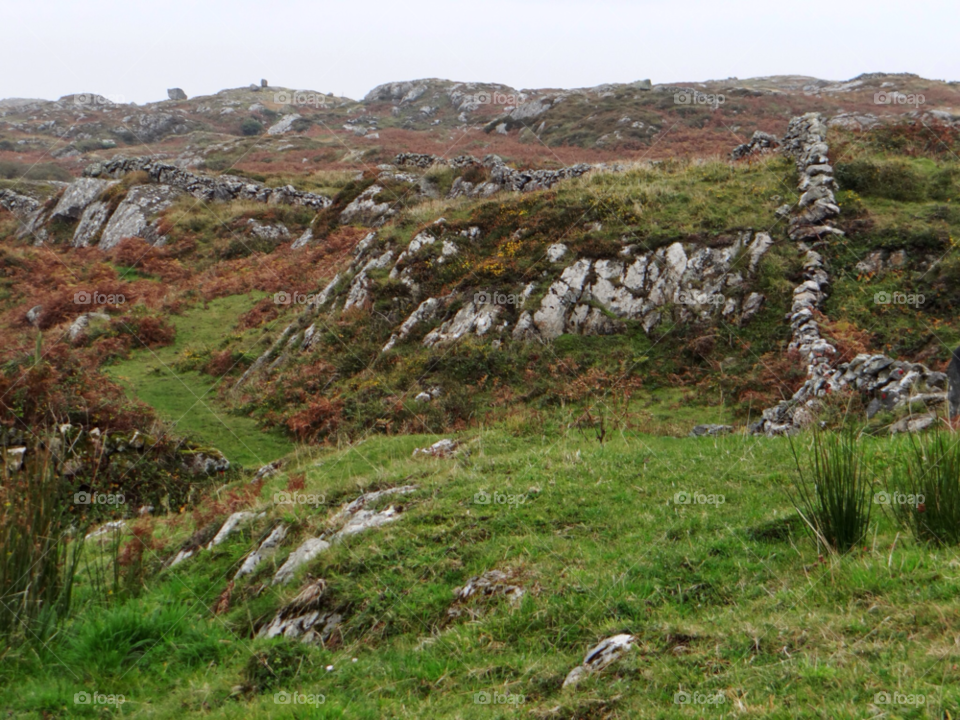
724	598
188	399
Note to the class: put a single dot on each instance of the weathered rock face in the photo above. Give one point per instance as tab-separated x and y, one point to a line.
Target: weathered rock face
132	217
176	94
91	222
204	187
75	199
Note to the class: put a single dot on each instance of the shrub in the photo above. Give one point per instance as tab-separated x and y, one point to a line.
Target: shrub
251	126
929	470
892	180
833	494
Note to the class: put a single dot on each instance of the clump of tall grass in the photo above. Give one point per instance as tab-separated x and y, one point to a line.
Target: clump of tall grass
37	560
833	492
925	488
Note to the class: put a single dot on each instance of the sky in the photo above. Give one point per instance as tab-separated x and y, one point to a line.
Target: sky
132	51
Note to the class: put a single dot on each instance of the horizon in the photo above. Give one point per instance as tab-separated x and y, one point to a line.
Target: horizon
529	44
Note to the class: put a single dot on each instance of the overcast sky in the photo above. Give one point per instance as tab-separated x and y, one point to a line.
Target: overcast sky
134	50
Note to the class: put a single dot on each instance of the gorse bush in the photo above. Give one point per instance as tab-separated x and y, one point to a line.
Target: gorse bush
833	493
924	494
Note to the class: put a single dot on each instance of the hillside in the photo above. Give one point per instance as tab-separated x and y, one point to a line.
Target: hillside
427	381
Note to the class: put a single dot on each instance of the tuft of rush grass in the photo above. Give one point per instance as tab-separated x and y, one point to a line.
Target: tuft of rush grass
721	593
37	563
925	491
834	493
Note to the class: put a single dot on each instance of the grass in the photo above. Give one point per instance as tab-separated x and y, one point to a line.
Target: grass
188	399
724	597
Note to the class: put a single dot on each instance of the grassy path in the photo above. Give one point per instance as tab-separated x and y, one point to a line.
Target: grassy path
188	399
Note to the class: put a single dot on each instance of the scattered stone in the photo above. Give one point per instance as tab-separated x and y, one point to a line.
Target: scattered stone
441	449
78	328
600	657
710	430
110	527
34	314
913	424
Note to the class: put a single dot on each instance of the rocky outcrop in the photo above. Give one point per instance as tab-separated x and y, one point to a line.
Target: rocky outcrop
351	519
20	205
365	210
205	187
132	218
176	94
694	279
92	220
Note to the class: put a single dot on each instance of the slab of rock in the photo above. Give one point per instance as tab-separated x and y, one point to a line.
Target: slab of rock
78	195
232	523
306	618
710	430
284	125
267	548
604	654
176	94
132	216
307	551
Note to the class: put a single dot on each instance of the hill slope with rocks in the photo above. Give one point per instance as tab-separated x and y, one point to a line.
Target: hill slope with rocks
392	390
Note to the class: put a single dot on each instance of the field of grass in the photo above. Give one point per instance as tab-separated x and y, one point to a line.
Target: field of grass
188	399
728	597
